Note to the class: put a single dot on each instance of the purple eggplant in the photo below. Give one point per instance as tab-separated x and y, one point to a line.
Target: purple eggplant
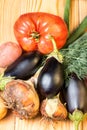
25	66
51	78
75	95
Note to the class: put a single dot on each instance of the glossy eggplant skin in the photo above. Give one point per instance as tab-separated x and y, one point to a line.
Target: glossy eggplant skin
75	95
51	78
25	66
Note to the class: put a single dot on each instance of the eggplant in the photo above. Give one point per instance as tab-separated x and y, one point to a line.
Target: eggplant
75	94
51	78
25	66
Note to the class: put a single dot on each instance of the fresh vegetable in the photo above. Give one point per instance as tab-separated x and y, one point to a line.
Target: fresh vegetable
53	108
9	52
25	66
51	77
39	33
75	95
75	58
22	98
3	109
33	29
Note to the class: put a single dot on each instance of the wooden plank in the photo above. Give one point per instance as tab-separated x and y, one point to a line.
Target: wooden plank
10	10
74	14
82	9
44	124
8	123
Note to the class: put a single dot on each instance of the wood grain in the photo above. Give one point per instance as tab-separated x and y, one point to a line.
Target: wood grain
8	123
10	10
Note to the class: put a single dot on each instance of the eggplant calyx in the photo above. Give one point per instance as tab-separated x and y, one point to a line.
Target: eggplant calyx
77	116
55	53
4	81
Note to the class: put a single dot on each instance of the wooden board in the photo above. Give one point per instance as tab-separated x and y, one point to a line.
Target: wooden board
10	10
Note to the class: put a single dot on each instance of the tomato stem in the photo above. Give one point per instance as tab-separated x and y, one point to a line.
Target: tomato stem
35	35
55	51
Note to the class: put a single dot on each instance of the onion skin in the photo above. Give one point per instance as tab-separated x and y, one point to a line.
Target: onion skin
22	98
3	109
54	109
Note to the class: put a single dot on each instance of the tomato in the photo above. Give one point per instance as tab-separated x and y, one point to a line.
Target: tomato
32	31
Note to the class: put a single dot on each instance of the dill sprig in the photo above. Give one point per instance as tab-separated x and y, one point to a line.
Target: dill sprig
75	58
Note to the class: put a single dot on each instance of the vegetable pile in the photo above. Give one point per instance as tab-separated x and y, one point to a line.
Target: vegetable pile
47	71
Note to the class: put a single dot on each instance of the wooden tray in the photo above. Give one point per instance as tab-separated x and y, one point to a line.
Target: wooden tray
9	12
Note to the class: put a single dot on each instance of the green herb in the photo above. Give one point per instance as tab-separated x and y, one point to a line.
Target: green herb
67	13
4	81
77	33
75	58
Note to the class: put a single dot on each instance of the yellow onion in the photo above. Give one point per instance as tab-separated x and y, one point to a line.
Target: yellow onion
53	108
22	98
3	109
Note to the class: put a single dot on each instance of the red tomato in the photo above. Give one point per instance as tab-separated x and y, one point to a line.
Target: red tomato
32	31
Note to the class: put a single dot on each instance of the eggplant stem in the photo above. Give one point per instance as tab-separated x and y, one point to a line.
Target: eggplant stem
55	51
77	116
4	81
76	124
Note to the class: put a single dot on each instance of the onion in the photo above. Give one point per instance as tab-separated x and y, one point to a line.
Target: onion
22	98
53	108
